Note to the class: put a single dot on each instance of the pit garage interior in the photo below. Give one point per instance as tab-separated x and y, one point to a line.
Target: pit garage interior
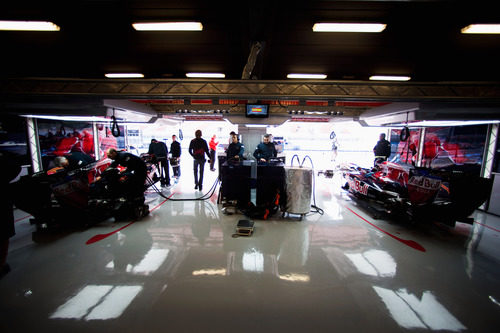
342	266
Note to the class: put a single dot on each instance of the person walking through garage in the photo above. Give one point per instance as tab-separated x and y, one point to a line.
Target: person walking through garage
198	147
175	160
265	150
213	149
382	149
160	151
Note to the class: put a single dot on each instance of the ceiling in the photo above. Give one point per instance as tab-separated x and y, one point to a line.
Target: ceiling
422	40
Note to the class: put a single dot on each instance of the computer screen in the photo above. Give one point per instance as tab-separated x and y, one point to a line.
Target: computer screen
257	110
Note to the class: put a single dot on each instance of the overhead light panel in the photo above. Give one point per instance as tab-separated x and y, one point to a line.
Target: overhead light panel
28	26
446	123
256	125
206	75
69	118
168	26
349	27
306	76
389	78
123	75
481	29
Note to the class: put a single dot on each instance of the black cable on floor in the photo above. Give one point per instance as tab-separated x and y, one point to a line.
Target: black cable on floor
203	197
316	208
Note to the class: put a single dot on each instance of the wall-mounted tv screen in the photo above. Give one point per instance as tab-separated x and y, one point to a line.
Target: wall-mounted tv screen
257	110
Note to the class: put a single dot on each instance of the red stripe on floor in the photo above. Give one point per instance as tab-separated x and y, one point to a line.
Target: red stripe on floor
22	218
161	203
407	242
99	237
484	225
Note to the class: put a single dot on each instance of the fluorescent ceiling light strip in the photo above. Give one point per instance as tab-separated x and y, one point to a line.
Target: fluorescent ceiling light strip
210	271
306	76
389	78
168	26
481	29
69	118
28	26
447	123
295	277
123	75
255	125
206	75
349	27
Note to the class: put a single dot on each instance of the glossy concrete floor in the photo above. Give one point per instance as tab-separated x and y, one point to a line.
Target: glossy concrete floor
180	270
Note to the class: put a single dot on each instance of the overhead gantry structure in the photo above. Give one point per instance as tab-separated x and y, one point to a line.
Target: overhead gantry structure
336	100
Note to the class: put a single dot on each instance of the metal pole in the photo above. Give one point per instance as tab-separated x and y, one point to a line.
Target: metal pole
489	150
34	144
488	156
420	153
97	149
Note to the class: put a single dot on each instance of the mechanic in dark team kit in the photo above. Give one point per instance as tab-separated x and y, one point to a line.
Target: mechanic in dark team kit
160	151
382	149
235	149
265	150
136	169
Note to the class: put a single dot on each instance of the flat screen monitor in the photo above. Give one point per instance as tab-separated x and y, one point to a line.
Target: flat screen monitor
257	110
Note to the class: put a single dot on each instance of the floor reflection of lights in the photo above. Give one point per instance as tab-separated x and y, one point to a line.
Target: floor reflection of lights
253	262
148	265
410	312
374	262
97	302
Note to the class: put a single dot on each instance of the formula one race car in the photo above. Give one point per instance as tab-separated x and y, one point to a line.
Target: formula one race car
420	194
86	196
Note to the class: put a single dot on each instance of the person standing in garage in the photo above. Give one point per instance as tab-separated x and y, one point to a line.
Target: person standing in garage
160	151
175	150
198	147
235	150
382	149
213	148
265	150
